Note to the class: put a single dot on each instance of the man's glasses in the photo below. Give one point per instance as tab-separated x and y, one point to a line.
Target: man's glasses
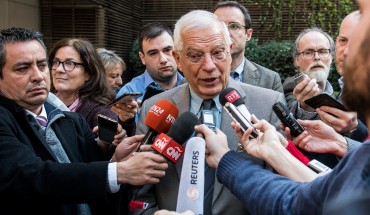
68	65
234	26
310	53
198	57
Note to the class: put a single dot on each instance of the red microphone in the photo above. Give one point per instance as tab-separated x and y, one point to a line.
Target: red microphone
170	145
159	119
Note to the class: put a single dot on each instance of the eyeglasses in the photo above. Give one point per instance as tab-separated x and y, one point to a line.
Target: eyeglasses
234	26
68	65
198	57
310	53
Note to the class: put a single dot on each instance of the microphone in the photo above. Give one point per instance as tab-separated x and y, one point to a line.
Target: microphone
232	96
191	189
159	119
170	145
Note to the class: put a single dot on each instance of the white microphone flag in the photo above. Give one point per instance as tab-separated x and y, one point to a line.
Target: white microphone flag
191	190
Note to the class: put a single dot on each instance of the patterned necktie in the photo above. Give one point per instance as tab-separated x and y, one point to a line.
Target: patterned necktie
42	121
209	173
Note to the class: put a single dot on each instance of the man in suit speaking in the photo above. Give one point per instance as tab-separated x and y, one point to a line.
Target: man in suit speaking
202	53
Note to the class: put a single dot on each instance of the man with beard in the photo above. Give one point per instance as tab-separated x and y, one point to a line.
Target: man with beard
313	54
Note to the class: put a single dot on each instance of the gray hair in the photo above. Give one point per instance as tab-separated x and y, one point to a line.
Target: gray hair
197	20
109	58
314	29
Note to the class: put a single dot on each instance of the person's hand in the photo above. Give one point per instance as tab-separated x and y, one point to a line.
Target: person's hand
142	168
121	134
127	147
320	138
306	89
125	111
216	144
342	121
166	212
265	144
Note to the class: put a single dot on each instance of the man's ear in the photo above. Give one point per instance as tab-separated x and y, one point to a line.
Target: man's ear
176	56
142	58
248	34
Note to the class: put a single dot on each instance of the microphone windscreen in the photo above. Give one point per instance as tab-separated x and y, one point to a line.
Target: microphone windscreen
161	116
183	127
230	95
191	189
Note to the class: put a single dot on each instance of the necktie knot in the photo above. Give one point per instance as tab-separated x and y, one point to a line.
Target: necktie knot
235	75
208	104
42	121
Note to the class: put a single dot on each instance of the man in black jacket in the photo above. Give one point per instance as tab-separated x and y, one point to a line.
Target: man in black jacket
50	162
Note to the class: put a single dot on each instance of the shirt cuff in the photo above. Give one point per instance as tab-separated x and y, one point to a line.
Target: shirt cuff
112	178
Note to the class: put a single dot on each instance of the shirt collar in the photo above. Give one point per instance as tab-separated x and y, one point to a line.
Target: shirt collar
196	102
150	81
240	68
43	112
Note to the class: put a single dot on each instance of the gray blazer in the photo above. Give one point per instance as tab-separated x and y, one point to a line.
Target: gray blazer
164	195
260	76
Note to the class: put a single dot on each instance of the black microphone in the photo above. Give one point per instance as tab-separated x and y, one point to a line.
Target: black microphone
170	144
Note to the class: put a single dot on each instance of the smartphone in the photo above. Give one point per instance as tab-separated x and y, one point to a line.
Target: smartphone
287	118
107	128
299	77
129	96
208	118
150	91
324	99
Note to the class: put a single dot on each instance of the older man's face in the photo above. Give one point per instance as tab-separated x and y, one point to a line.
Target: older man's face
26	75
205	61
318	67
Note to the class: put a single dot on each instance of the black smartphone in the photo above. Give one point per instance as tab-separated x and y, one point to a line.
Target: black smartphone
129	96
324	99
107	128
150	91
299	77
287	118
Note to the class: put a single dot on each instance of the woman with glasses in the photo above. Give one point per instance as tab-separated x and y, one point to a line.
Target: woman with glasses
78	79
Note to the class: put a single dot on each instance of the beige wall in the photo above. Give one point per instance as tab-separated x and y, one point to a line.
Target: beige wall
20	13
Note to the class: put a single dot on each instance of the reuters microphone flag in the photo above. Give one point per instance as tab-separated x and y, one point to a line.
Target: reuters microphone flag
191	190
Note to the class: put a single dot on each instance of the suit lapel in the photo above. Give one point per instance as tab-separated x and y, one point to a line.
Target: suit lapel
227	129
250	73
182	100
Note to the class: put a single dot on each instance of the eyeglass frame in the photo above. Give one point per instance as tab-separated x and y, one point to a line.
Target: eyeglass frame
201	59
60	62
238	24
314	53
